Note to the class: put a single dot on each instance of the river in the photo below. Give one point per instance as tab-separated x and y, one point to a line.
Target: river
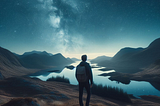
136	88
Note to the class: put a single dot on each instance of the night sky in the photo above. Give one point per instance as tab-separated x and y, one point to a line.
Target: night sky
72	27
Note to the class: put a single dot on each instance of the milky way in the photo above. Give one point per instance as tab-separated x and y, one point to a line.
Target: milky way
78	26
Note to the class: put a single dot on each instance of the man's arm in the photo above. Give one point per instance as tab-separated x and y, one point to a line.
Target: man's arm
90	74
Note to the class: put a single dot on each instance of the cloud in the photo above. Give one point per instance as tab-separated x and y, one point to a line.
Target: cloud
55	21
46	4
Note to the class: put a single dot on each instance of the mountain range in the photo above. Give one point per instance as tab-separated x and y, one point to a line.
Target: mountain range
10	65
39	60
131	60
37	52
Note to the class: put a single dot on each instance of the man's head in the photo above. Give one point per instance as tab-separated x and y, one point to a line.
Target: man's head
84	57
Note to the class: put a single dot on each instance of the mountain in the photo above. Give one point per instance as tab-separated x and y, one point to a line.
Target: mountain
10	65
70	59
38	52
7	57
100	59
150	74
132	60
40	60
126	53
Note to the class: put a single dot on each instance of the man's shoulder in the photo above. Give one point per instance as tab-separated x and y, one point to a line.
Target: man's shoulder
87	64
84	64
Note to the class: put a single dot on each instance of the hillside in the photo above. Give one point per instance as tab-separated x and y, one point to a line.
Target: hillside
150	74
57	94
131	60
41	60
126	53
10	65
27	91
100	59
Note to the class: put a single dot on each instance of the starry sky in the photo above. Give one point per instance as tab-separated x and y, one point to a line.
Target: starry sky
74	27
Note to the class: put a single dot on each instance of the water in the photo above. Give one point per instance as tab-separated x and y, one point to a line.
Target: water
136	88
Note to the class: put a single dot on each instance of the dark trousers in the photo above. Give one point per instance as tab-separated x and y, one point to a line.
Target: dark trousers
85	85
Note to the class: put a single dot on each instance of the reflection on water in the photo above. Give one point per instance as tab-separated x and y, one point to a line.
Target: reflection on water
136	88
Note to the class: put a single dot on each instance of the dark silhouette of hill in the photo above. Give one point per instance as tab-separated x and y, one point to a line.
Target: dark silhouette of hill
8	57
10	65
43	59
126	53
100	59
132	60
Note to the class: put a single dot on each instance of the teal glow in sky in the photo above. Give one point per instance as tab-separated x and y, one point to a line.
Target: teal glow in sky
74	27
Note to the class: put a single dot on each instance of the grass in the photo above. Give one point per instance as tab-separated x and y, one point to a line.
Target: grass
111	92
59	79
103	91
22	102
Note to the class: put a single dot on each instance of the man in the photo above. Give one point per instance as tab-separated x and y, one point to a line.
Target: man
88	81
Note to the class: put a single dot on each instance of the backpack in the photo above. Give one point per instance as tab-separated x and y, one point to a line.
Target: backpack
81	75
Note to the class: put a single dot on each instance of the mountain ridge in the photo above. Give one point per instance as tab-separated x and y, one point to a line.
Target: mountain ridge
10	65
37	52
100	58
42	60
134	59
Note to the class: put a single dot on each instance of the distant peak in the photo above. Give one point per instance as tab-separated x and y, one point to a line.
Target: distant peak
44	52
59	54
155	43
129	48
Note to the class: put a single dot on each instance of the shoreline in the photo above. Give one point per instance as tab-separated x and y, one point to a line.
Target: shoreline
127	78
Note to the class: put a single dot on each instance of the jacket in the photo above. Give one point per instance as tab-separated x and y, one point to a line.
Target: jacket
88	70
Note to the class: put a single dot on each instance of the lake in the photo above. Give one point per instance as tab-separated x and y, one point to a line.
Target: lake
136	88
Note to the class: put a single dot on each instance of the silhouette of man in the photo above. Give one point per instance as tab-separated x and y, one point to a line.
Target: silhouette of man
87	85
